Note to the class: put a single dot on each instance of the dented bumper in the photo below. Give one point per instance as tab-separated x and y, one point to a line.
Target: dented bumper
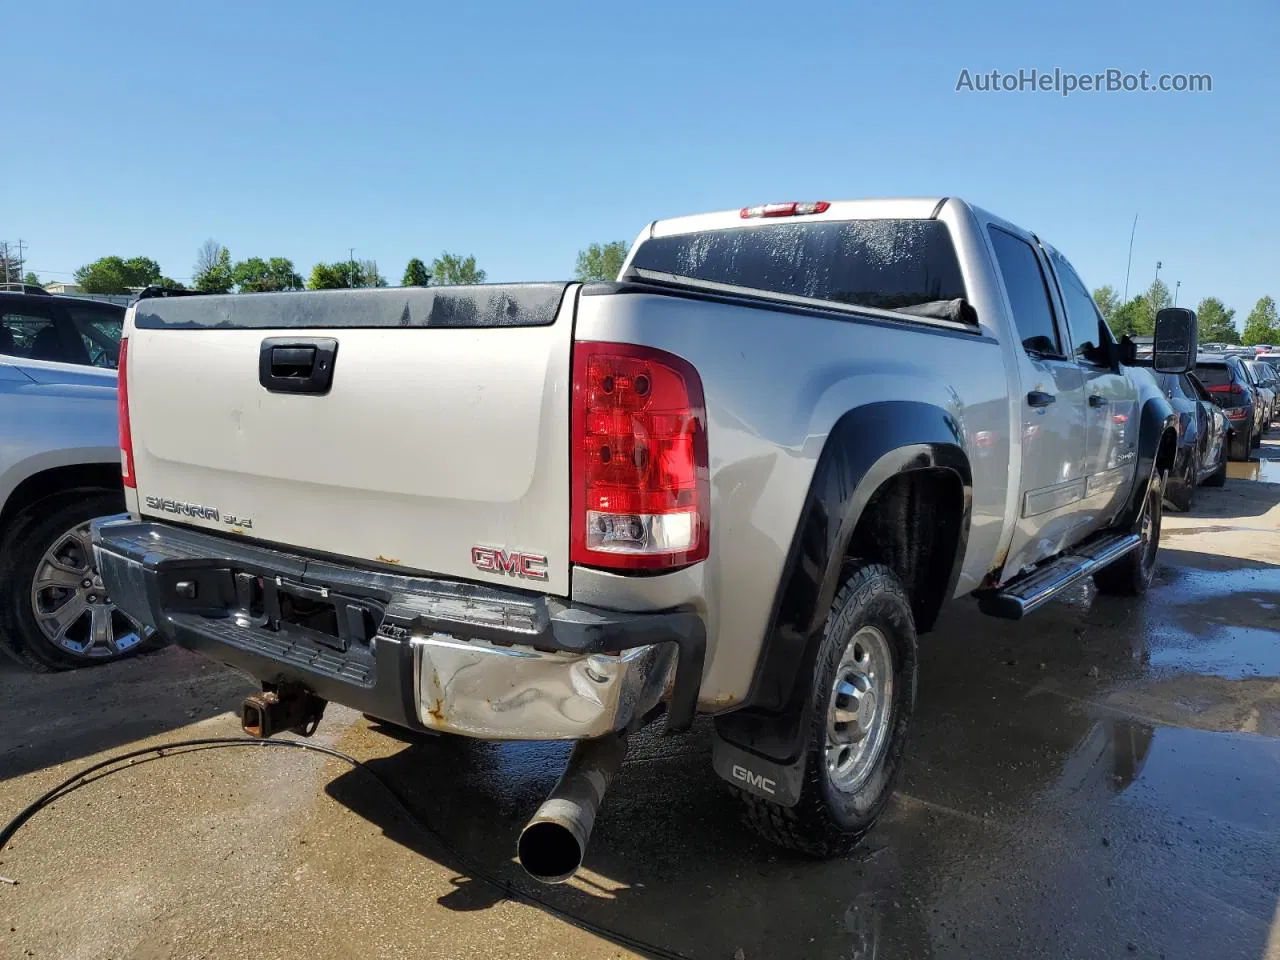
415	651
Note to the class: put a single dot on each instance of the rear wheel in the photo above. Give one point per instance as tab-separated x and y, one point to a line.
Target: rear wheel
55	612
862	694
1130	576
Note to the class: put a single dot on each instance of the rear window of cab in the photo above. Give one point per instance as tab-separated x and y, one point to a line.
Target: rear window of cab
886	264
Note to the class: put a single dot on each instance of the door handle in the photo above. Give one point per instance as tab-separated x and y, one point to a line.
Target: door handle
1038	398
293	361
297	365
1097	400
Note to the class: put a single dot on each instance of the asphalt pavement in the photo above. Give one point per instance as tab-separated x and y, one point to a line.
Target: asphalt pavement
1099	780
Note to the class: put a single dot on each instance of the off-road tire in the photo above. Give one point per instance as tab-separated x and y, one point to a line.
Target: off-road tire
827	822
1130	576
21	547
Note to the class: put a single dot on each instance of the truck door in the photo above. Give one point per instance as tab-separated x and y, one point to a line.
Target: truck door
1052	401
1111	404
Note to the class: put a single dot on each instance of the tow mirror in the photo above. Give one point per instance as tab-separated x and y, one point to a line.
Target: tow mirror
1174	348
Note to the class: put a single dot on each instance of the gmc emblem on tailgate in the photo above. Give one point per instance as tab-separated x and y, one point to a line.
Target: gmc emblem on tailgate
528	566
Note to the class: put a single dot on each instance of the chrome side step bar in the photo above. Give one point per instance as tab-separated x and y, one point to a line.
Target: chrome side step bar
1024	594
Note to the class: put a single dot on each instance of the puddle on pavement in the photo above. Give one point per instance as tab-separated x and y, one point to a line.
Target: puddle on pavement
1266	471
1235	653
1187	772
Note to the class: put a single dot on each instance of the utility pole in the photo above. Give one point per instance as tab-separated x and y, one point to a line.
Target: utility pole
1159	264
1129	265
351	266
1176	285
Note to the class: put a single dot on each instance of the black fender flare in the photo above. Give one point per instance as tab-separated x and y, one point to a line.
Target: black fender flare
1156	419
866	447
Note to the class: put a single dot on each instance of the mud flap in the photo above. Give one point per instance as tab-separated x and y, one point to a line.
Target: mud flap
776	782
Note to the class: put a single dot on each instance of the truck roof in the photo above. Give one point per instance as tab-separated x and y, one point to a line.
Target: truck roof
903	208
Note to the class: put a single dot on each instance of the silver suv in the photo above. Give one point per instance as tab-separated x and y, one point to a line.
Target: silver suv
59	468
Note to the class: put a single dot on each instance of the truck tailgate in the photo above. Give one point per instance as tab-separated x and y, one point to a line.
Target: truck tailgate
445	427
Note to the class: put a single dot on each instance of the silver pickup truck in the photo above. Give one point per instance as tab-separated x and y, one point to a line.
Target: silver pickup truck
737	482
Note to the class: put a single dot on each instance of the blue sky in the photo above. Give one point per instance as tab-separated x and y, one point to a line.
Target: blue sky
521	132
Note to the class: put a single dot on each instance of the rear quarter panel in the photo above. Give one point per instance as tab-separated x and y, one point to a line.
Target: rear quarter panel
775	385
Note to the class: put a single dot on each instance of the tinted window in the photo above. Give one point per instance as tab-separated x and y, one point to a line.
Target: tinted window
1261	372
1028	295
1244	374
870	263
99	329
1082	315
1213	375
1192	388
30	336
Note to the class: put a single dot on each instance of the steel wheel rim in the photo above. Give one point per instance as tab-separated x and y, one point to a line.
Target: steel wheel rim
71	606
859	710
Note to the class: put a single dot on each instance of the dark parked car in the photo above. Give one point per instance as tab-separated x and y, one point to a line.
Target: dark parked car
1228	382
1202	439
1267	384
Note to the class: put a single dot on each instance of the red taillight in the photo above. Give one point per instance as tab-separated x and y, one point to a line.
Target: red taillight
1235	413
122	414
785	209
640	495
1233	388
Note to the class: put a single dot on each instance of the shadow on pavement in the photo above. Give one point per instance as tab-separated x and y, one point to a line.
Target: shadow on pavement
50	718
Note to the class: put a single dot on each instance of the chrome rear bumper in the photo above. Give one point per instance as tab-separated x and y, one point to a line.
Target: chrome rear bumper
416	651
518	693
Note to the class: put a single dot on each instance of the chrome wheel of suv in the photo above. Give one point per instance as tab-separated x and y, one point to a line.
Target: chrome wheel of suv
71	605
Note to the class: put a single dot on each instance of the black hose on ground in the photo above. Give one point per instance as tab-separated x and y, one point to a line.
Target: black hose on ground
476	870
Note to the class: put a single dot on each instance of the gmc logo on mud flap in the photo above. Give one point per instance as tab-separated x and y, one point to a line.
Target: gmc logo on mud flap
527	566
757	780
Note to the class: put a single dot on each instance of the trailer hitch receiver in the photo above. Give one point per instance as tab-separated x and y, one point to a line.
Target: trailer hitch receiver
280	708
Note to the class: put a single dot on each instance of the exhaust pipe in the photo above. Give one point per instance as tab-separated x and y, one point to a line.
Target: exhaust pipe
553	843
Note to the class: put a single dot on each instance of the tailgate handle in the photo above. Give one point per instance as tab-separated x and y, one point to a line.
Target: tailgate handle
297	365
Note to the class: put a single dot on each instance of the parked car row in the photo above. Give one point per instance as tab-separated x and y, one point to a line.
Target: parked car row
1246	391
1203	435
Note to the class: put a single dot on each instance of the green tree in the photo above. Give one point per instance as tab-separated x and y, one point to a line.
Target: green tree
212	270
1107	300
32	279
117	275
1157	298
330	276
1215	322
1131	318
601	261
256	275
415	274
1262	324
170	283
450	269
344	274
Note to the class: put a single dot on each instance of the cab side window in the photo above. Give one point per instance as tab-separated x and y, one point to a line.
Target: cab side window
1083	318
1028	294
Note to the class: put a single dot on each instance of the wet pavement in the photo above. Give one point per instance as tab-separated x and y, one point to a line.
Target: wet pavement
1100	780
